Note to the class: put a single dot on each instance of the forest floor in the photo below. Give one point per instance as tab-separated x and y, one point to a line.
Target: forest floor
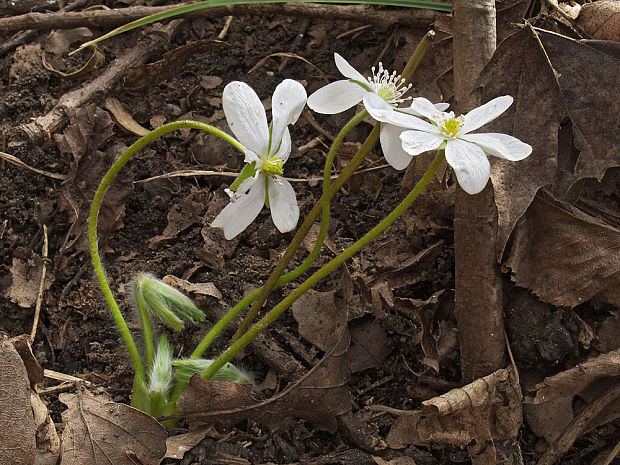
402	345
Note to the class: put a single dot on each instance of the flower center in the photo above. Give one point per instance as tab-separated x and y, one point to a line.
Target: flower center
449	124
388	86
273	166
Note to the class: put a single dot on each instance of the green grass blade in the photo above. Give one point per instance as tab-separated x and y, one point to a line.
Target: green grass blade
444	7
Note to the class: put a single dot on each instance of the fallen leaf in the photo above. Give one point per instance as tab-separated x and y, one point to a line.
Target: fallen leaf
197	288
601	19
176	446
123	118
319	396
90	127
155	73
33	369
472	416
98	431
551	78
550	407
25	280
17	443
563	255
48	442
57	45
182	215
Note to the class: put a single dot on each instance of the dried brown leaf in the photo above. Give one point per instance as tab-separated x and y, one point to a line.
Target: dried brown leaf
476	414
197	288
17	443
176	446
319	396
98	431
551	406
182	215
123	118
552	79
25	280
48	441
90	127
601	19
563	255
158	72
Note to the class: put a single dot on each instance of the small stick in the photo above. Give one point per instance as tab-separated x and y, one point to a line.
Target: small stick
225	29
37	308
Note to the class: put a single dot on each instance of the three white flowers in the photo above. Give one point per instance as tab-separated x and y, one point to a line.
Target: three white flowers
404	134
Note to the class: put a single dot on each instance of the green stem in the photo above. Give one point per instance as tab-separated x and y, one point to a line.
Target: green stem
139	378
324	271
297	240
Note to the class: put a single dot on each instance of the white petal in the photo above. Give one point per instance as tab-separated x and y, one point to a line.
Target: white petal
288	100
373	102
285	147
246	116
393	148
347	70
438	106
398	118
500	145
425	108
237	215
471	165
417	142
486	113
283	204
336	97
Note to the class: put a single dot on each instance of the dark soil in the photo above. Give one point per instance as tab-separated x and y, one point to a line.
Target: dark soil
76	333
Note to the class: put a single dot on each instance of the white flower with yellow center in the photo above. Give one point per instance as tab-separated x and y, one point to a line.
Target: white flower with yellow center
382	91
266	150
465	152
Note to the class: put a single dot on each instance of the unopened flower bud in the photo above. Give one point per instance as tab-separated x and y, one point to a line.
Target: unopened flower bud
187	367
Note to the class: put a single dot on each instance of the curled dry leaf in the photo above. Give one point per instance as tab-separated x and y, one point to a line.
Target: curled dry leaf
58	44
551	78
123	118
17	441
48	442
472	416
550	408
98	431
319	396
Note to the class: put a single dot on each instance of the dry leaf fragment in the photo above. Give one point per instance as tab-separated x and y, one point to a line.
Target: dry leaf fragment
158	72
197	288
98	431
17	440
550	407
48	441
182	215
563	255
473	416
123	118
601	19
25	278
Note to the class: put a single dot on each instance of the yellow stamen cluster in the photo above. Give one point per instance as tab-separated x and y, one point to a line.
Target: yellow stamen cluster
273	166
450	125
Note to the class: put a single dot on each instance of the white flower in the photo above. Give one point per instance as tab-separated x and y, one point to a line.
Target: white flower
266	148
465	152
384	91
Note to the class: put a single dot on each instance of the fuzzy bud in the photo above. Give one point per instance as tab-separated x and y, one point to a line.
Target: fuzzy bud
187	367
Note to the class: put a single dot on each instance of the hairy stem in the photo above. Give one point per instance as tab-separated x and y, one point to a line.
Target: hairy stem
139	377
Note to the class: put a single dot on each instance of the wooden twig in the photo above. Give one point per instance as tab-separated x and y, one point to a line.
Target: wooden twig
117	17
37	308
153	44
